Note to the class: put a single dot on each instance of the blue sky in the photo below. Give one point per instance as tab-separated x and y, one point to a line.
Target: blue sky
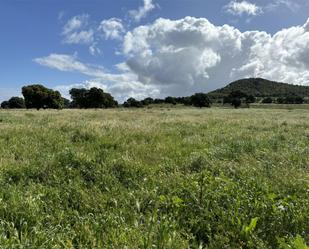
148	47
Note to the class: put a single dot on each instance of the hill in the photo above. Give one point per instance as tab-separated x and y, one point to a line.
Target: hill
262	88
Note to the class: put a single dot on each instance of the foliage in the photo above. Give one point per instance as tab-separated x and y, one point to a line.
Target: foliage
267	100
261	88
170	100
38	96
66	103
250	99
14	103
236	102
200	100
92	98
236	98
147	101
291	99
132	102
5	104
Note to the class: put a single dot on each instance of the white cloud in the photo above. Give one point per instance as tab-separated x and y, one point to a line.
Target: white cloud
120	86
112	28
75	32
94	50
142	11
181	57
69	63
191	54
81	37
242	7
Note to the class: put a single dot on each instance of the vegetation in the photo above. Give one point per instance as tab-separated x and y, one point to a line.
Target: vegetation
14	103
267	100
261	88
132	102
92	98
246	91
200	100
38	96
154	178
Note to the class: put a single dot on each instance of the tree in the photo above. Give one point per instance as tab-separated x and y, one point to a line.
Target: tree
78	96
250	99
235	98
236	102
158	101
227	100
131	102
66	103
200	100
16	103
170	100
38	96
291	99
267	100
92	98
5	105
238	94
147	101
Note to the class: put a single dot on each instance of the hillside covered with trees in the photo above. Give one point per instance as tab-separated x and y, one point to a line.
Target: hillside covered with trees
259	87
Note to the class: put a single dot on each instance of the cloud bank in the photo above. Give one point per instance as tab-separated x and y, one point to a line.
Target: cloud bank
181	57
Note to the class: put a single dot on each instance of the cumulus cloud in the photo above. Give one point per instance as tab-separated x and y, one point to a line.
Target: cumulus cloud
112	29
191	54
242	7
142	11
75	32
181	57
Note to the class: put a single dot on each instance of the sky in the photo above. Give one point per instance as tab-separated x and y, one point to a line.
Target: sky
157	48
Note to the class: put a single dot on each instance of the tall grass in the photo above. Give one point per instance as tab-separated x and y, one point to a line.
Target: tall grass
154	178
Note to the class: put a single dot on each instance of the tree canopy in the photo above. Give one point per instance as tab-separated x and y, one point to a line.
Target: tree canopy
92	98
38	96
200	100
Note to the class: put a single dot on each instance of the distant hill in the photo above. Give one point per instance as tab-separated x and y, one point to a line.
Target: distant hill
262	88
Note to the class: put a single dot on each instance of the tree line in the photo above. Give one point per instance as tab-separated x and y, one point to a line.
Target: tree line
39	97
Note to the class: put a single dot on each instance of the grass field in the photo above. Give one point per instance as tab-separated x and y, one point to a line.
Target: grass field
154	178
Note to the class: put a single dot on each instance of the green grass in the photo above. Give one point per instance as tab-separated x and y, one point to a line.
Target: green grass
154	178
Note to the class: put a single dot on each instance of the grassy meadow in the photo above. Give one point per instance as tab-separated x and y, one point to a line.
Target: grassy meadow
154	178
